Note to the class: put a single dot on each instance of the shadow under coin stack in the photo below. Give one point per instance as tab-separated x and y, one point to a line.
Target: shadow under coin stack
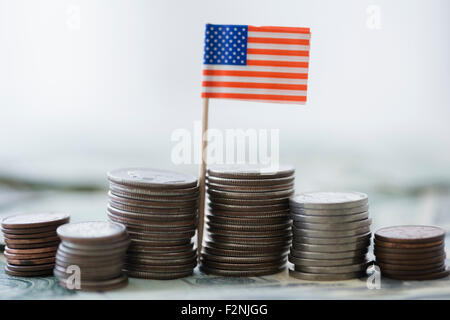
248	224
411	252
31	243
331	235
159	209
98	249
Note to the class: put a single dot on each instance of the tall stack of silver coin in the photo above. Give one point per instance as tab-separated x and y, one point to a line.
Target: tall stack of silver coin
159	209
331	235
248	224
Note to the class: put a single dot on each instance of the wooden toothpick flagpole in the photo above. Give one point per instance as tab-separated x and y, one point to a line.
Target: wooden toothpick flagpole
201	207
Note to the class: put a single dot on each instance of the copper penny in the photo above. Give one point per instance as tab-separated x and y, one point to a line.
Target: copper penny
397	245
378	249
429	276
410	234
29	256
404	256
35	220
411	267
32	246
11	242
406	262
31	251
30	262
41	235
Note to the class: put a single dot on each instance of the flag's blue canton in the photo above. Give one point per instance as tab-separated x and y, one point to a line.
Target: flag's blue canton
225	44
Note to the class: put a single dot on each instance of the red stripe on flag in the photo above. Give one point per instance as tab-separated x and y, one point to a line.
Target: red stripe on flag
257	74
279	29
249	96
304	42
270	63
255	85
277	52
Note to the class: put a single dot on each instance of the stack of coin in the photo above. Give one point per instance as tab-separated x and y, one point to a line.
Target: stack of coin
31	243
411	252
248	222
95	249
331	235
159	209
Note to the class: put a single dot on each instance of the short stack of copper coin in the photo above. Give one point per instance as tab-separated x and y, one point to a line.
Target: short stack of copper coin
412	252
159	209
331	235
31	243
95	249
248	223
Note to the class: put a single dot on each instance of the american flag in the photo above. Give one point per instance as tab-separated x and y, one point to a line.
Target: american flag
267	64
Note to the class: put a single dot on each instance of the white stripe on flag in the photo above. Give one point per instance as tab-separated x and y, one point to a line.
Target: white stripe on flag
255	68
276	57
252	45
254	91
254	80
257	34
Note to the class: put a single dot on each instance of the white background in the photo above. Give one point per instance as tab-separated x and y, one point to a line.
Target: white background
78	99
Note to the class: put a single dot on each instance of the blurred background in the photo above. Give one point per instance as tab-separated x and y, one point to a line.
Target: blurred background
87	86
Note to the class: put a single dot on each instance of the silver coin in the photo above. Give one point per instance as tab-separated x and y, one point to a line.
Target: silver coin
248	202
251	214
236	208
250	171
328	255
90	232
144	225
152	203
62	249
154	212
248	259
330	247
158	248
327	212
241	273
146	177
330	219
158	275
118	244
89	274
249	228
157	216
256	189
250	182
177	198
329	234
153	192
247	221
250	234
334	226
162	235
278	247
160	262
333	269
251	195
92	261
242	253
172	268
325	277
329	200
163	255
342	240
285	240
326	262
